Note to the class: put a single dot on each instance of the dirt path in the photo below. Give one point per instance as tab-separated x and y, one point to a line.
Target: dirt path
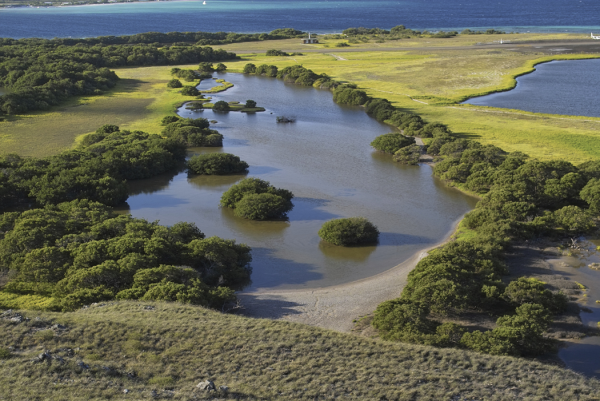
332	307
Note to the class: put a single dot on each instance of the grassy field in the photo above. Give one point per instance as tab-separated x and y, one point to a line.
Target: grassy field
427	82
138	102
164	350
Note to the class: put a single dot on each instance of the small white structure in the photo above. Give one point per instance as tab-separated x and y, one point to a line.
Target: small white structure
309	40
595	37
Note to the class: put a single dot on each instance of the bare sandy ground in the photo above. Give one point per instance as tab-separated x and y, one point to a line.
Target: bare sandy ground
332	307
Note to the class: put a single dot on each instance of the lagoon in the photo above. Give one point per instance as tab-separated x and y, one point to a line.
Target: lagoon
567	87
325	159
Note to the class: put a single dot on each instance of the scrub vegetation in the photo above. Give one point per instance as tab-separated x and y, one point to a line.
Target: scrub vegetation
256	199
217	164
350	231
162	349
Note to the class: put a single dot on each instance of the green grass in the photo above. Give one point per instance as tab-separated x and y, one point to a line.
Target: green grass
219	88
169	348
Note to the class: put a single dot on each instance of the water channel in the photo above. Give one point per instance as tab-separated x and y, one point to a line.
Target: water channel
567	87
325	159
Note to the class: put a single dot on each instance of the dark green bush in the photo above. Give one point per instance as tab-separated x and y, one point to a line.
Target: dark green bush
249	69
174	83
217	164
408	155
346	95
530	290
263	206
274	52
221	67
5	353
250	104
349	231
221	105
82	252
249	186
392	142
190	91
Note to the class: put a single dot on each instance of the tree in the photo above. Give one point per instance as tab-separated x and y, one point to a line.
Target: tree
174	83
263	206
591	194
349	231
205	67
249	186
221	105
190	91
249	68
217	164
250	104
392	142
220	67
408	155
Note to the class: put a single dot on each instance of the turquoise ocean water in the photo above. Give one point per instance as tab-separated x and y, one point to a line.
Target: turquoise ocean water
309	15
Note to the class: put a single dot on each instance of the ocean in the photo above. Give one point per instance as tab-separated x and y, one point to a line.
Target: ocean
319	16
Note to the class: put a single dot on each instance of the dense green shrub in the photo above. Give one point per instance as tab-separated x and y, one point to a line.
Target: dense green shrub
274	52
96	171
263	206
249	68
530	290
268	70
250	104
190	91
217	164
81	252
221	67
349	231
205	67
192	132
221	105
392	142
408	155
250	186
186	75
174	83
346	95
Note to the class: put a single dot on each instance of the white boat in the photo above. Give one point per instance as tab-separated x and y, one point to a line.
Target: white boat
595	37
204	3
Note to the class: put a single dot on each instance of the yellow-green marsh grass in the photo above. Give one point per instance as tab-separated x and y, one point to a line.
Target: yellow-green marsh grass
168	348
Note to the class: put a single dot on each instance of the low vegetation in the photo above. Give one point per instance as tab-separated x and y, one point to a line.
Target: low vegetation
162	349
349	231
191	132
217	164
392	142
258	200
81	252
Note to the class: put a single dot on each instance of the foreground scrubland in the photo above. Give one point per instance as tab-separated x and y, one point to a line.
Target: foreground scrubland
164	350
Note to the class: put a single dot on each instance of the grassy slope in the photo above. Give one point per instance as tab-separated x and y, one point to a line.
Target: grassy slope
442	76
172	347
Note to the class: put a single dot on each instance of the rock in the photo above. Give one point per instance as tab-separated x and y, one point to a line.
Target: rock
223	388
58	327
125	391
83	365
16	319
44	356
206	385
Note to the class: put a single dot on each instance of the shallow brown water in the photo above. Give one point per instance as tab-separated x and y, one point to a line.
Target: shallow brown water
325	159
